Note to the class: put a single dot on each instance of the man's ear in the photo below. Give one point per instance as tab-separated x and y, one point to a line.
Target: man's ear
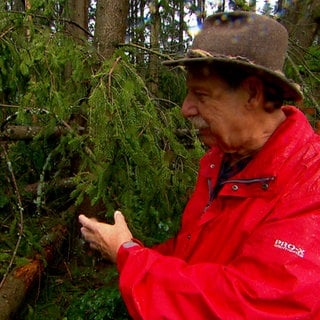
254	87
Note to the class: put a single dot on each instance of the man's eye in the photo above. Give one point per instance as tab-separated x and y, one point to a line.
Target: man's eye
200	94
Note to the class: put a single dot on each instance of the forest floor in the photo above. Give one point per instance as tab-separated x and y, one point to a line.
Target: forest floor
78	284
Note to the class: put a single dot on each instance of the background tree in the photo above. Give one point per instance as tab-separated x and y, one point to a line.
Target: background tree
77	12
154	44
302	20
111	24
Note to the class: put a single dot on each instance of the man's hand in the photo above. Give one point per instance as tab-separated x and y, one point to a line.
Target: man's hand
104	237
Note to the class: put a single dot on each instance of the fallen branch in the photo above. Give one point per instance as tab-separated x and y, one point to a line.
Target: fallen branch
14	132
63	184
20	280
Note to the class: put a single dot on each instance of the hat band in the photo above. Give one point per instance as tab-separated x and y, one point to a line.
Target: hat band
199	53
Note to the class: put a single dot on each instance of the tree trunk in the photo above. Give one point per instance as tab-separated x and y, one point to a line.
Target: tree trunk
140	35
111	23
302	20
77	12
181	27
155	45
201	12
18	5
19	281
16	286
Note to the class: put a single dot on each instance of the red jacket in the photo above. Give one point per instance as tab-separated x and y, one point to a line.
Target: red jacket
252	253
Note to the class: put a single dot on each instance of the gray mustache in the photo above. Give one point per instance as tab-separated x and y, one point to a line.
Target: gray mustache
198	122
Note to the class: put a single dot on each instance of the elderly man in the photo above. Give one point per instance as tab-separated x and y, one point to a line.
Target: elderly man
249	243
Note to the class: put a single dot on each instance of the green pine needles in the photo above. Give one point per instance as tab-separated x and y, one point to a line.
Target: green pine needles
138	164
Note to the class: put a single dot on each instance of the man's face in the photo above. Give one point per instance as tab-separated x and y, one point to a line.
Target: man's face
215	108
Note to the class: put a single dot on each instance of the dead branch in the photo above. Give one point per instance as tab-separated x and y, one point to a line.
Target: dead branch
63	184
20	280
14	132
133	45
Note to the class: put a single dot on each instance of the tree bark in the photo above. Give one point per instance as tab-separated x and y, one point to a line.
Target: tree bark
14	132
16	286
302	20
77	12
18	5
20	280
155	45
63	184
111	23
181	26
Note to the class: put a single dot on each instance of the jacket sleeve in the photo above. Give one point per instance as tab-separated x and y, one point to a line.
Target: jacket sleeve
267	279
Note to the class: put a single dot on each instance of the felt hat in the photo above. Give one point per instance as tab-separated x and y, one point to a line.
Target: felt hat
246	41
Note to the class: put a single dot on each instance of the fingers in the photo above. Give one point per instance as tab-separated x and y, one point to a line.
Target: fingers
84	220
93	246
87	229
91	228
105	237
87	234
88	222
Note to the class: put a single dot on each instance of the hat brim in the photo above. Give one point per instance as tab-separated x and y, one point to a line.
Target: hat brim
290	89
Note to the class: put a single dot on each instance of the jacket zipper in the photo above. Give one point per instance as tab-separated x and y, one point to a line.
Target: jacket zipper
244	181
248	181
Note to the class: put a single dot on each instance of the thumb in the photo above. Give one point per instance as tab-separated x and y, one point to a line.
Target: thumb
118	217
122	227
83	219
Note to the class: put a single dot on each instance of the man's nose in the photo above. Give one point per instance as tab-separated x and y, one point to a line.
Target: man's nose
189	108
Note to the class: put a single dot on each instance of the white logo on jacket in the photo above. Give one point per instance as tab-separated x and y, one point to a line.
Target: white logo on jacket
289	247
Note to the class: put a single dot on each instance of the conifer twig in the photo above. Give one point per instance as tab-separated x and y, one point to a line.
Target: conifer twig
294	66
110	74
134	45
5	32
8	105
64	20
20	232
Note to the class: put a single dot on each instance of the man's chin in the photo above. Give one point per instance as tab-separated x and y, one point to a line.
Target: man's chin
206	137
204	132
